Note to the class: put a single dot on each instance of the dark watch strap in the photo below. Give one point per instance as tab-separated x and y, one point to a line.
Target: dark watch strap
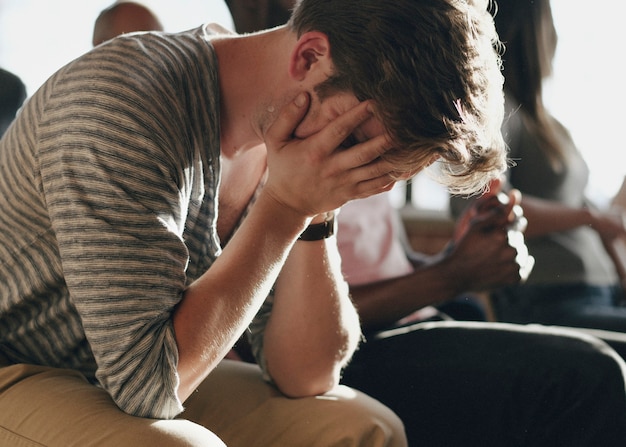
319	231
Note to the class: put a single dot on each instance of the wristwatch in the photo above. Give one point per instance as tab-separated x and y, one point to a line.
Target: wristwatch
319	231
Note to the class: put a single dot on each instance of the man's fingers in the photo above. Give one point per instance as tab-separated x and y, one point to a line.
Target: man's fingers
339	129
281	130
365	153
373	186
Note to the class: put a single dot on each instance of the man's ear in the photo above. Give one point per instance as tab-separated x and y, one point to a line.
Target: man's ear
311	56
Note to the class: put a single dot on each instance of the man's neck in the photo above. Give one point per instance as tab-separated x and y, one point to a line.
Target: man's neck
253	70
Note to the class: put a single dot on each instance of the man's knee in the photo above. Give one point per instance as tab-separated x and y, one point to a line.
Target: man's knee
342	418
363	420
237	404
172	433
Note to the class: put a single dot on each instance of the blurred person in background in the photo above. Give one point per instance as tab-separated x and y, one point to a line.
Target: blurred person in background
575	281
256	15
12	96
124	17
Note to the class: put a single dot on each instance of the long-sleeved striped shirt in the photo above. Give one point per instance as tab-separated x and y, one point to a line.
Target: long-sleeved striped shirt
108	182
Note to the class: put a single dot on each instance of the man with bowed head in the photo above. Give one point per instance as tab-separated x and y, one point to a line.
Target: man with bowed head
127	270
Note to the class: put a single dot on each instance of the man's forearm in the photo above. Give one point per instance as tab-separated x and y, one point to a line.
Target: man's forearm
227	296
314	327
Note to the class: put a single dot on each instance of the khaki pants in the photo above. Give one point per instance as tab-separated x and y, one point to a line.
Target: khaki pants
41	406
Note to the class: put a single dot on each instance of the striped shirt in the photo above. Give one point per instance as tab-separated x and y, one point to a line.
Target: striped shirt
108	182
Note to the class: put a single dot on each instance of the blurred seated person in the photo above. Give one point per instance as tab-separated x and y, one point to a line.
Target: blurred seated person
12	95
393	284
124	17
575	281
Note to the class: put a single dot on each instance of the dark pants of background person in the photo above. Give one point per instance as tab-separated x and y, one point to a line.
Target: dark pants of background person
495	384
574	305
600	310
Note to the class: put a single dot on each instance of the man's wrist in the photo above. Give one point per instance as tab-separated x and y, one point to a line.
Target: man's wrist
319	230
323	217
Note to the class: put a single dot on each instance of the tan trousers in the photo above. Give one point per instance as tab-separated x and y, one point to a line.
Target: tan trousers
41	406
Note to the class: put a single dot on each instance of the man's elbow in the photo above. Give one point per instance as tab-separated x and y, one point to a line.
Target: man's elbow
307	383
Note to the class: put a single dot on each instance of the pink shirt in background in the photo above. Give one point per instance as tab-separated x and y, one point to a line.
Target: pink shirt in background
369	245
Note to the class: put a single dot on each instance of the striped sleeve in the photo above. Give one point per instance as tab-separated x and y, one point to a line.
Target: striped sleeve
122	173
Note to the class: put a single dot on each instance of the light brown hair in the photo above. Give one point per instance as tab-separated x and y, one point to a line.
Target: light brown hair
433	69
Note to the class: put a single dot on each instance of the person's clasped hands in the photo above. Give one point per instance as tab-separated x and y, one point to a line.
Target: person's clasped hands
489	241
